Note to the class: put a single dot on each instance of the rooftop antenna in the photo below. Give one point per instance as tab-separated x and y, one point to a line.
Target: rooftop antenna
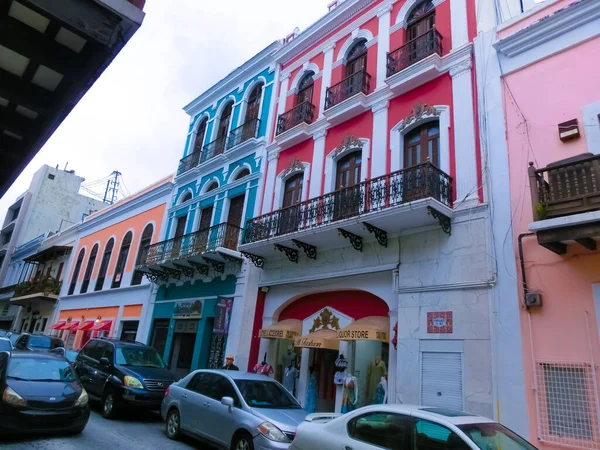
112	187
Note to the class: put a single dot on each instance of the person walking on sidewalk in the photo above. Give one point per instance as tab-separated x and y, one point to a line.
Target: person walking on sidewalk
229	364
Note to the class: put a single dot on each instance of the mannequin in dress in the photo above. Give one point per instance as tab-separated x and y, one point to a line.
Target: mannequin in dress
350	395
311	391
376	371
289	378
289	358
381	394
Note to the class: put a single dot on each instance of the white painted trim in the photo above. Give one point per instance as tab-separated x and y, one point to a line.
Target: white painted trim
397	138
405	11
194	133
306	68
283	88
317	164
383	46
182	194
459	23
327	69
234	173
332	159
591	126
380	135
230	99
206	185
356	35
282	178
268	194
244	101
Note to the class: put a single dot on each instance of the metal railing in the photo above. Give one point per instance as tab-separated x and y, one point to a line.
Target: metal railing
45	285
348	87
212	149
302	113
243	133
565	188
193	244
188	162
413	51
406	185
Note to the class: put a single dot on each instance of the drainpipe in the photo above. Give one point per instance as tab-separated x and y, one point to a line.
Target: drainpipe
522	262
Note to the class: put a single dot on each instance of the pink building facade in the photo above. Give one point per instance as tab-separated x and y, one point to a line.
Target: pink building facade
545	107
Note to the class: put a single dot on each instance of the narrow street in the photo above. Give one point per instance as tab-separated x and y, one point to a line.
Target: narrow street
131	431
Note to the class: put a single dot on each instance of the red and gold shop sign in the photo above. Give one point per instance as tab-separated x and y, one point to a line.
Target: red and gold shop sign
286	329
318	339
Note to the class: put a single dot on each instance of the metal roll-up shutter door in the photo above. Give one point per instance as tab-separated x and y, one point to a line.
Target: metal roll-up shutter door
441	380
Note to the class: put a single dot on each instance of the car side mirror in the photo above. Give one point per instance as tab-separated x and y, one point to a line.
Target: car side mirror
227	401
104	361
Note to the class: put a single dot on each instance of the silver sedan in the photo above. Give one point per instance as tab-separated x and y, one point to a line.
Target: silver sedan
232	410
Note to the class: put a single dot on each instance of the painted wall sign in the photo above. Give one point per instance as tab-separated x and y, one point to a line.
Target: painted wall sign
188	310
439	322
308	343
277	334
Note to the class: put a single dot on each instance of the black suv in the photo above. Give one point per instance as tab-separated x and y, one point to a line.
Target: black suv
38	342
123	373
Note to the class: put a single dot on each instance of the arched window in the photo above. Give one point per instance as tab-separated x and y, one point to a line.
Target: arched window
420	31
305	88
423	144
199	143
76	271
88	269
254	103
104	264
292	195
242	173
348	170
223	128
356	59
145	241
214	185
186	197
122	260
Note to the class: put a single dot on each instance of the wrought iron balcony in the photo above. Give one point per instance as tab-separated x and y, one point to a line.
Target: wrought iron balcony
212	149
566	187
302	113
248	130
348	87
413	51
191	245
382	193
189	162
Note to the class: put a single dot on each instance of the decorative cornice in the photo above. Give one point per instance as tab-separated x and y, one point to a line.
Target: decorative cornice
273	155
418	112
329	47
384	9
380	106
295	165
349	142
320	134
460	69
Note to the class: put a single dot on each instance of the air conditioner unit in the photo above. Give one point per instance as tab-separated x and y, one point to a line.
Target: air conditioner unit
533	299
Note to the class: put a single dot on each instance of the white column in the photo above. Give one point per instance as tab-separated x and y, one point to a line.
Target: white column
303	379
283	86
392	363
464	134
237	330
267	205
316	173
379	150
458	23
383	44
326	75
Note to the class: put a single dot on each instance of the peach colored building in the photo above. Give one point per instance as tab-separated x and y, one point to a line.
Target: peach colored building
102	293
541	103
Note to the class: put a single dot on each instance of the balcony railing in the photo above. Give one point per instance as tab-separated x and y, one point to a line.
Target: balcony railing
193	244
212	149
413	51
189	162
388	191
302	113
241	134
45	285
566	187
348	87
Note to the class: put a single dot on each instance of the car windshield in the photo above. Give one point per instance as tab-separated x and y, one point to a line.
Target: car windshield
40	369
139	357
13	338
266	394
39	341
493	436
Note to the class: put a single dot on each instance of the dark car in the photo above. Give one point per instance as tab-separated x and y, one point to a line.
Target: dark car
13	338
40	393
123	373
69	355
37	342
5	333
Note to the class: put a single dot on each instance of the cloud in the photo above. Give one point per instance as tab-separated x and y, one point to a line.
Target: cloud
131	119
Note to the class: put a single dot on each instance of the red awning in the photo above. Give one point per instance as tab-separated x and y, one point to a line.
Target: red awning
59	325
86	325
71	326
103	325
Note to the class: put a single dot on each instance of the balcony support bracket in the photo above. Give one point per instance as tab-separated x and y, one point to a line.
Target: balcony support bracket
354	239
443	220
258	261
588	243
159	275
201	268
310	250
187	271
152	277
291	253
173	273
217	266
229	258
380	234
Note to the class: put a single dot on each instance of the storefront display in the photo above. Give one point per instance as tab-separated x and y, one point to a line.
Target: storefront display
350	394
311	391
377	370
381	393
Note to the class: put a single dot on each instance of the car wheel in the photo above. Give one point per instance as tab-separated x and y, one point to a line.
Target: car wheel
109	406
173	424
242	441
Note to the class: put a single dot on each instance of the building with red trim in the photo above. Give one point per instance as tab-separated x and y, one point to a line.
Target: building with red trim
373	237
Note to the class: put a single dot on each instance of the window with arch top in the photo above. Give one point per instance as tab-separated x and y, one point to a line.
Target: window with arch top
253	106
122	260
422	144
214	185
104	264
76	271
145	241
356	59
186	197
88	269
305	88
420	31
242	173
223	128
199	142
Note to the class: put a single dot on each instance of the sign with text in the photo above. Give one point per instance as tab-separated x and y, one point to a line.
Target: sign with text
277	334
222	316
188	310
364	334
439	322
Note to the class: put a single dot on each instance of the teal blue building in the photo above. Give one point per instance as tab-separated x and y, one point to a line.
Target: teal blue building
201	279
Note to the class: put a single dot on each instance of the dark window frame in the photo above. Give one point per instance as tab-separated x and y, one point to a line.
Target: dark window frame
306	88
76	271
106	256
145	241
200	135
122	260
89	269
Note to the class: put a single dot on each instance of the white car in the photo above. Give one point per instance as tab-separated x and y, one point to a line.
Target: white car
404	427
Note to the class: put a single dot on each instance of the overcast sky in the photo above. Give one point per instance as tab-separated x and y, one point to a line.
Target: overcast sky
131	120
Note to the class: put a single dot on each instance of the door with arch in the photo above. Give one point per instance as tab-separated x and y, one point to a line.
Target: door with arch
421	145
348	197
223	129
420	32
289	217
234	221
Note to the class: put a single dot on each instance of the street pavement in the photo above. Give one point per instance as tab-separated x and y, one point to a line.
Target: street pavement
133	430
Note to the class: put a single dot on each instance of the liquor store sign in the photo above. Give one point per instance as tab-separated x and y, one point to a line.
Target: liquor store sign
366	334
